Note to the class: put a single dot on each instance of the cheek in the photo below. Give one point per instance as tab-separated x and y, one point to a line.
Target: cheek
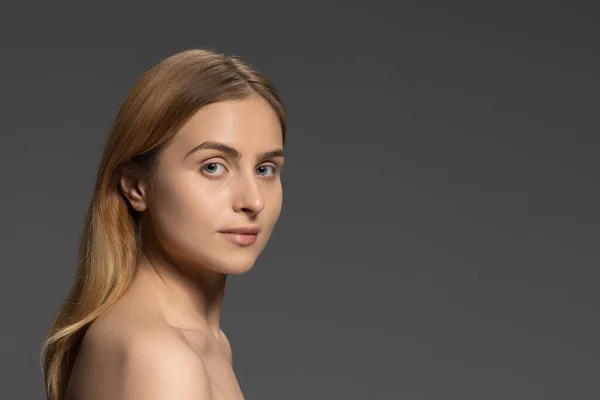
272	210
185	213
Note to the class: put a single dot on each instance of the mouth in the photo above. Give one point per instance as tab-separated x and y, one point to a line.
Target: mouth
242	230
242	236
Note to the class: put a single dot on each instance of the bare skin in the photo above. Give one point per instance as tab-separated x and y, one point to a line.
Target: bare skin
162	339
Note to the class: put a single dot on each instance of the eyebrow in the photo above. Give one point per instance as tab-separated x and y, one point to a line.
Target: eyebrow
210	145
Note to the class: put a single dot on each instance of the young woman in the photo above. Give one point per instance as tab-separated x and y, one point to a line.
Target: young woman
188	191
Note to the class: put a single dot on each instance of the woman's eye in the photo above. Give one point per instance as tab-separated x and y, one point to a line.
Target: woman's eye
213	168
265	170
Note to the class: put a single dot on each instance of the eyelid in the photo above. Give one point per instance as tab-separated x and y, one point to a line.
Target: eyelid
273	165
213	159
276	164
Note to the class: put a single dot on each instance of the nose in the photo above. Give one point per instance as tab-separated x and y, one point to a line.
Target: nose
249	198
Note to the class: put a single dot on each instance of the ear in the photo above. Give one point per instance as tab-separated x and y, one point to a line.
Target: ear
134	189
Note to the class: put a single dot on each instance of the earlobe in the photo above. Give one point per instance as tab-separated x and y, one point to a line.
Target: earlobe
134	192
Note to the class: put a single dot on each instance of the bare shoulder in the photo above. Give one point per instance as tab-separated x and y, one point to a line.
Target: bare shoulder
137	359
160	365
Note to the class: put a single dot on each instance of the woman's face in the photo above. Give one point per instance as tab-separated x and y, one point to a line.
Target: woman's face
217	193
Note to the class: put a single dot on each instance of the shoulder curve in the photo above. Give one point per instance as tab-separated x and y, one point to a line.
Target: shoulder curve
159	365
227	346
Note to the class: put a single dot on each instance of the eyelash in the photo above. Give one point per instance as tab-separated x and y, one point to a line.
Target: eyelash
273	168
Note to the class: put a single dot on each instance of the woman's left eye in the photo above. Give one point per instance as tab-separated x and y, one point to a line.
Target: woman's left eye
213	168
266	170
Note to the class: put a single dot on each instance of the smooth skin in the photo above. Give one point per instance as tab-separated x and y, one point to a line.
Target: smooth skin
162	339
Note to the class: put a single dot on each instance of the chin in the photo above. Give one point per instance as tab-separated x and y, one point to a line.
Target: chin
232	261
239	270
220	256
235	267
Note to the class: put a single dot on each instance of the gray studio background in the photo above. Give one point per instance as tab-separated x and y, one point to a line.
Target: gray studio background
439	237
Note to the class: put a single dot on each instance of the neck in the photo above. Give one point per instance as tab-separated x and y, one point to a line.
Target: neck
190	298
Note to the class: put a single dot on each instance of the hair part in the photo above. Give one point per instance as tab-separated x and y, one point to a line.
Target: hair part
159	104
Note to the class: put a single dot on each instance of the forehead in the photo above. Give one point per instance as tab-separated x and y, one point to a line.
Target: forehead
249	125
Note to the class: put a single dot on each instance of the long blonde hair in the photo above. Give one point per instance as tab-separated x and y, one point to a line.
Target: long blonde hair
160	102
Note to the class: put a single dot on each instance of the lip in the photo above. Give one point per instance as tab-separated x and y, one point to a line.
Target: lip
242	230
241	236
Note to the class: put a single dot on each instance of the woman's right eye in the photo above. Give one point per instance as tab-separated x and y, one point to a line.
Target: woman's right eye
213	168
